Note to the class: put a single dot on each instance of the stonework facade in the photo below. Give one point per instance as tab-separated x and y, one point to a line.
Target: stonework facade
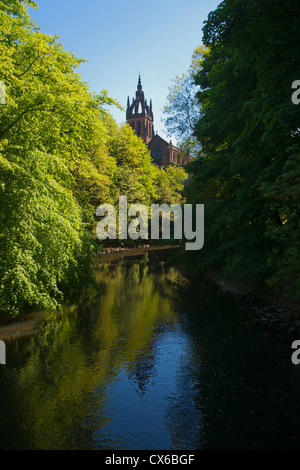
140	117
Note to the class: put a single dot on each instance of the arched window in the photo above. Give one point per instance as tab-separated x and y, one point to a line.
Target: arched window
139	128
157	155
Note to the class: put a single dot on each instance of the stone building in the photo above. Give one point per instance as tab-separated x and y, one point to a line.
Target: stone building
139	116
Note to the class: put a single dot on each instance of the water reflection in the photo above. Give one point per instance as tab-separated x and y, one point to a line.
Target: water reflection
156	360
85	376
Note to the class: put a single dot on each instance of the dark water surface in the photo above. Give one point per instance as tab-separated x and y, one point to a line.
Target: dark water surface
158	361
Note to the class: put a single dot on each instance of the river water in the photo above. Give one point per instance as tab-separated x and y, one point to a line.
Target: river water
159	360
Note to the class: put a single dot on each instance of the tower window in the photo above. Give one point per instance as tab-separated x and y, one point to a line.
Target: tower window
139	128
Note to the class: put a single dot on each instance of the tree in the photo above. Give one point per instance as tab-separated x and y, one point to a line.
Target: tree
134	176
248	175
52	138
169	184
61	155
182	108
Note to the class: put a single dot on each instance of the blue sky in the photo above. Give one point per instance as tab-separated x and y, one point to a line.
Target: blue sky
122	38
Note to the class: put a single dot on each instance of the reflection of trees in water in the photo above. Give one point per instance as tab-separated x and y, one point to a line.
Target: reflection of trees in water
143	368
56	392
63	384
184	411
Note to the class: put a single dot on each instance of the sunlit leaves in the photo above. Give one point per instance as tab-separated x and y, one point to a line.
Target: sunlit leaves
61	155
54	163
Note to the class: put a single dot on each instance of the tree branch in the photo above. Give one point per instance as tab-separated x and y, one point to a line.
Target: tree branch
28	68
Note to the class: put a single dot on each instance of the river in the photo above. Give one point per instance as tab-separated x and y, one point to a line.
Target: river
158	359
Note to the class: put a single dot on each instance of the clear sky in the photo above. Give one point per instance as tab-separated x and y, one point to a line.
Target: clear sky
122	38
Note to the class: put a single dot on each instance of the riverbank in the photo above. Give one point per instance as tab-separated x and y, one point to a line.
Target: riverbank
27	325
111	253
273	313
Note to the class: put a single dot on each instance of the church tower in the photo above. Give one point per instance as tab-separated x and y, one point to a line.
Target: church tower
139	115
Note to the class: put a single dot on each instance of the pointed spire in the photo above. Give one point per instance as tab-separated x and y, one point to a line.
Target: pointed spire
128	102
139	87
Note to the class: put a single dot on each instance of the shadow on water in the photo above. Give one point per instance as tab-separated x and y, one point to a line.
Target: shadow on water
158	360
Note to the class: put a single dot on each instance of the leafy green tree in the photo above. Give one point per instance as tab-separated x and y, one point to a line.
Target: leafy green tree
170	185
248	174
182	108
61	155
135	172
53	163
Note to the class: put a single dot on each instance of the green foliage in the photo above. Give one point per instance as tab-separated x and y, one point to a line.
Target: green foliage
135	172
136	175
41	231
53	164
182	110
170	185
248	173
61	155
